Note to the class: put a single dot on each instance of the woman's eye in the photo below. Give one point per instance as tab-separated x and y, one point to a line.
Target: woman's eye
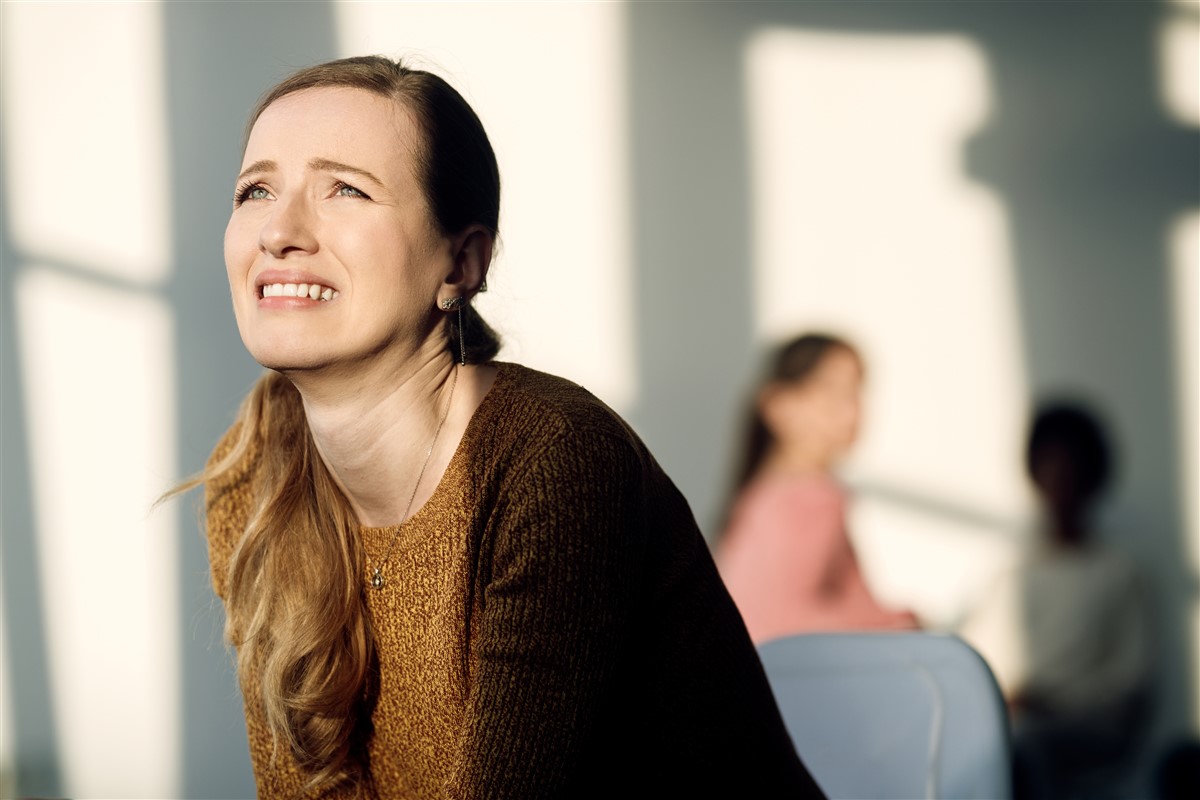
251	192
346	190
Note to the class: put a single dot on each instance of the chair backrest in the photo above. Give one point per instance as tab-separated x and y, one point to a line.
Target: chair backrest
892	714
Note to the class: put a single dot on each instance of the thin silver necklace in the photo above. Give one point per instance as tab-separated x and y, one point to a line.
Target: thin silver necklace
377	573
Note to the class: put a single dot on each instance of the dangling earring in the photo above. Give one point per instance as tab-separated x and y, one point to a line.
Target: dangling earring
457	303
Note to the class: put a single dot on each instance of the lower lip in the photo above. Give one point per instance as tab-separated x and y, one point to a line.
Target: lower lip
285	303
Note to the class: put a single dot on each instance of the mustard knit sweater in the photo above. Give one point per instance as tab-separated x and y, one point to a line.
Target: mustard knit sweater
552	626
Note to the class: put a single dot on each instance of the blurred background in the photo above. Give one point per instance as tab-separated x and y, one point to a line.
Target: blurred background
995	201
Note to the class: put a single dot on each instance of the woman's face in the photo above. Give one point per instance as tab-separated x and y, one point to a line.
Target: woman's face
331	251
819	415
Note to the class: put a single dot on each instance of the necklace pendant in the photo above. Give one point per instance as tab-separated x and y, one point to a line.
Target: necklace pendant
377	579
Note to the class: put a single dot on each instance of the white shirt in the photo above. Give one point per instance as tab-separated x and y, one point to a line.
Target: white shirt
1067	627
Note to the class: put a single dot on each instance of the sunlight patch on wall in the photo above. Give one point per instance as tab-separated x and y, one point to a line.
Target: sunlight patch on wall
1179	62
85	164
1179	85
99	399
560	291
1185	290
865	224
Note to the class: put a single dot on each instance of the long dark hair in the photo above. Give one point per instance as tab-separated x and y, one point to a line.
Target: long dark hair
792	362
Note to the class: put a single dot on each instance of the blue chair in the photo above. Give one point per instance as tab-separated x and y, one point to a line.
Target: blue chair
892	715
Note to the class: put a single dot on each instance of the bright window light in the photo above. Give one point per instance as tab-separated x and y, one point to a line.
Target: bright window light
865	224
560	290
98	385
1179	61
84	136
1185	289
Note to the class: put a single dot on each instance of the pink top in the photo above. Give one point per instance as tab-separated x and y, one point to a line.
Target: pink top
790	566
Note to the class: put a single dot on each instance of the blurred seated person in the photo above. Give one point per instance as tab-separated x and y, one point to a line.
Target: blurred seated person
1066	631
784	552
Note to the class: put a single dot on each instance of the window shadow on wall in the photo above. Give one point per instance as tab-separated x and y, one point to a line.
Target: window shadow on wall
35	740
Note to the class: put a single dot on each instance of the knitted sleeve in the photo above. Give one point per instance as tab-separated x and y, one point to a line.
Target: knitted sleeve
557	598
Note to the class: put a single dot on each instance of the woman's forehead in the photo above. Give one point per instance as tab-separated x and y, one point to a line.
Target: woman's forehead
334	122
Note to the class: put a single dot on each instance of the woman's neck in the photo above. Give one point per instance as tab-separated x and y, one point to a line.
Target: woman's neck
796	460
374	428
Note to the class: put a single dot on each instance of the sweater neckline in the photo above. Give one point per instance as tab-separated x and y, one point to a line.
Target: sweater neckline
457	461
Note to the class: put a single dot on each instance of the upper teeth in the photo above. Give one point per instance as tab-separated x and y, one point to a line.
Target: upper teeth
314	291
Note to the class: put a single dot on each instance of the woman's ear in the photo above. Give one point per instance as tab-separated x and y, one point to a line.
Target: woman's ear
472	256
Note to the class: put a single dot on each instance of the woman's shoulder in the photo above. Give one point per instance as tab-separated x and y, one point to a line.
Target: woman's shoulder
531	421
528	402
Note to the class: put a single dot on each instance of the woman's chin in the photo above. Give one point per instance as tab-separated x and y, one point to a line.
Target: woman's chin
286	360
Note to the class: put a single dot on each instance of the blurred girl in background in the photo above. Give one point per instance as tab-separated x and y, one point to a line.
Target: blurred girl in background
784	552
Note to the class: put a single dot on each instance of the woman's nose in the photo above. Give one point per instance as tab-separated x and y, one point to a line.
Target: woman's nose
288	230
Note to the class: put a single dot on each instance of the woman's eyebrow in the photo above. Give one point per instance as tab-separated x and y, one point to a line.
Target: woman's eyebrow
258	166
336	166
317	164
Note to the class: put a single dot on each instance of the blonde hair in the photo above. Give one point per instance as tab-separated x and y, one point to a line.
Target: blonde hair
294	603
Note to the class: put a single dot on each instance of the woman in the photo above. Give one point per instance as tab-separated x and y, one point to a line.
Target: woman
784	554
446	576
